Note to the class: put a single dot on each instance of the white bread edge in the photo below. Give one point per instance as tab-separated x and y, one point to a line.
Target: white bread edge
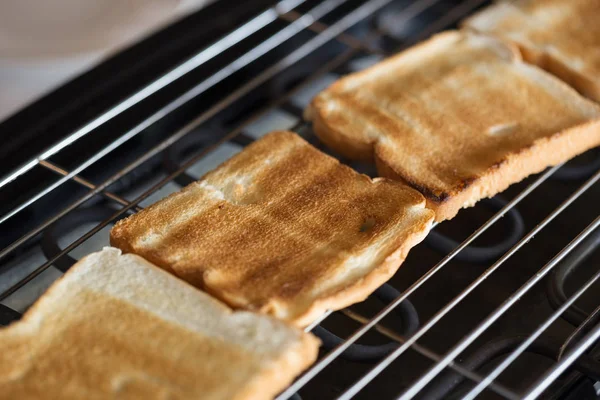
484	22
278	372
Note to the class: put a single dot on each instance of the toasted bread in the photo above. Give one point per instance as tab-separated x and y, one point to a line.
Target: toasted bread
282	229
563	37
116	326
459	117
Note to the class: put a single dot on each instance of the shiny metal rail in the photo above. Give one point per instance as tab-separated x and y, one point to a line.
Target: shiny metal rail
97	189
197	60
335	353
563	364
499	389
522	290
317	321
255	53
331	33
437	368
324	34
85	183
339	60
331	356
334	63
467	340
319	27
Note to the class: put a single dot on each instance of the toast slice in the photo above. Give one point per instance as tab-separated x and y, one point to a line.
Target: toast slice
459	117
116	326
563	37
281	229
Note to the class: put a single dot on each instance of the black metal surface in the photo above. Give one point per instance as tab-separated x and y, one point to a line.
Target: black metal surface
446	385
43	123
479	254
582	389
581	167
52	235
8	315
409	321
40	124
38	178
556	281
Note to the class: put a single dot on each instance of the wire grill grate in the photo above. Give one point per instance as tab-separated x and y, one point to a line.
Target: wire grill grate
354	26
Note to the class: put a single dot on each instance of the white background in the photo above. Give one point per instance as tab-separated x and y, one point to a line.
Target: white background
45	43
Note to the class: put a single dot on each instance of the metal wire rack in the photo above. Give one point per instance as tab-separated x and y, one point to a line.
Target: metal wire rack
342	32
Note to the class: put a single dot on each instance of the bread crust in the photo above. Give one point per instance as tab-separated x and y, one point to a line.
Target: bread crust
346	117
543	153
564	41
586	84
301	240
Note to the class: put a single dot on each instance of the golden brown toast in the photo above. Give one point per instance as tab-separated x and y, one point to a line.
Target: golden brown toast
459	117
282	229
117	327
561	36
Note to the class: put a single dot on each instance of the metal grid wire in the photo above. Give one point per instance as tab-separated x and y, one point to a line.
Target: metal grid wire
323	33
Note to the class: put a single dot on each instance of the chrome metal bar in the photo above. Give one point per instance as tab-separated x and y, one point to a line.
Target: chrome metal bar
467	340
301	123
348	40
257	52
592	318
203	56
316	322
339	60
415	345
84	182
499	389
563	364
321	364
537	333
331	356
290	59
